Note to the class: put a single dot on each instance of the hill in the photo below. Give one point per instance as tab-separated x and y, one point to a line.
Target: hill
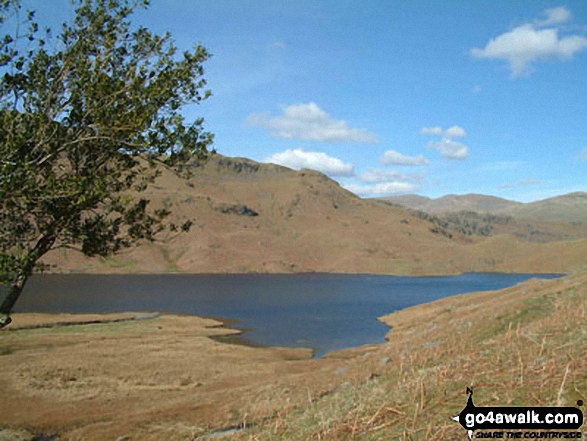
252	217
571	207
469	202
505	344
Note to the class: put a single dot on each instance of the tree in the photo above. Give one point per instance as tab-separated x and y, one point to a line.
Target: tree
87	120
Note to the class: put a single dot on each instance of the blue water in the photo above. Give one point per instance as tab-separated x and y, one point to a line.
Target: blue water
320	311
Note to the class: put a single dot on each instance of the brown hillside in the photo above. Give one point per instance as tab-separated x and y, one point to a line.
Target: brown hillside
569	207
452	202
251	217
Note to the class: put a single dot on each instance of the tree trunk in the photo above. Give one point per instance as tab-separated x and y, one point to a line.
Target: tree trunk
11	298
43	246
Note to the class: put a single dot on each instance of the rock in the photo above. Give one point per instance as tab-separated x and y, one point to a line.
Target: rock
430	344
15	435
146	315
384	361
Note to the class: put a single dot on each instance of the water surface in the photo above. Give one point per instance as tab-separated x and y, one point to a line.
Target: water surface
320	311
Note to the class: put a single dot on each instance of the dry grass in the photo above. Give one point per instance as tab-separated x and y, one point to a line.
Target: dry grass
160	378
306	222
523	346
165	378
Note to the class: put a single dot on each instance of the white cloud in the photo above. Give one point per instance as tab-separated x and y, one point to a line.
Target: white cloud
309	122
477	89
432	131
554	16
526	44
383	188
449	149
298	159
584	155
455	132
451	132
373	176
386	182
392	157
446	146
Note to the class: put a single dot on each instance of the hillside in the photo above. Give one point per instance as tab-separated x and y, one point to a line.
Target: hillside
514	347
469	202
252	217
571	207
471	223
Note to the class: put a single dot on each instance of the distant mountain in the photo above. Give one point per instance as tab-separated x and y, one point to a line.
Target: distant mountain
469	202
568	207
571	207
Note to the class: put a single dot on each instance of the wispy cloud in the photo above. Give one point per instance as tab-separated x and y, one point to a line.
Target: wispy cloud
383	188
374	176
276	45
521	183
432	131
554	16
499	166
529	43
298	159
309	122
393	157
451	132
583	155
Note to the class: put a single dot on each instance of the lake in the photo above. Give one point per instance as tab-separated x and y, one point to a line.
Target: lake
320	311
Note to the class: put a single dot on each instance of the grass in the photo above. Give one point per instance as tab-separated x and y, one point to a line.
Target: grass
522	346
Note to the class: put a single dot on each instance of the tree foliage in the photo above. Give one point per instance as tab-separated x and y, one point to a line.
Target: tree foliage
87	119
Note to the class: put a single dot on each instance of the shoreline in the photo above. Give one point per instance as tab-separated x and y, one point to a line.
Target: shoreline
294	273
166	378
238	332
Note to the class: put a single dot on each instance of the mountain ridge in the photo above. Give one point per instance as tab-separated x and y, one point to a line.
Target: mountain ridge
251	217
566	207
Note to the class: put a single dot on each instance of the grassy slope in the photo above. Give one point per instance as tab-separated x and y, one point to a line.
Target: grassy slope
524	346
569	207
469	202
307	222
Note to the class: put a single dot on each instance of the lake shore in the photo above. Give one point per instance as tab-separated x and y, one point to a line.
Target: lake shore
163	377
103	376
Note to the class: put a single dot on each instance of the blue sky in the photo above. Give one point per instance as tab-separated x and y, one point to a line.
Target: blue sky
392	97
